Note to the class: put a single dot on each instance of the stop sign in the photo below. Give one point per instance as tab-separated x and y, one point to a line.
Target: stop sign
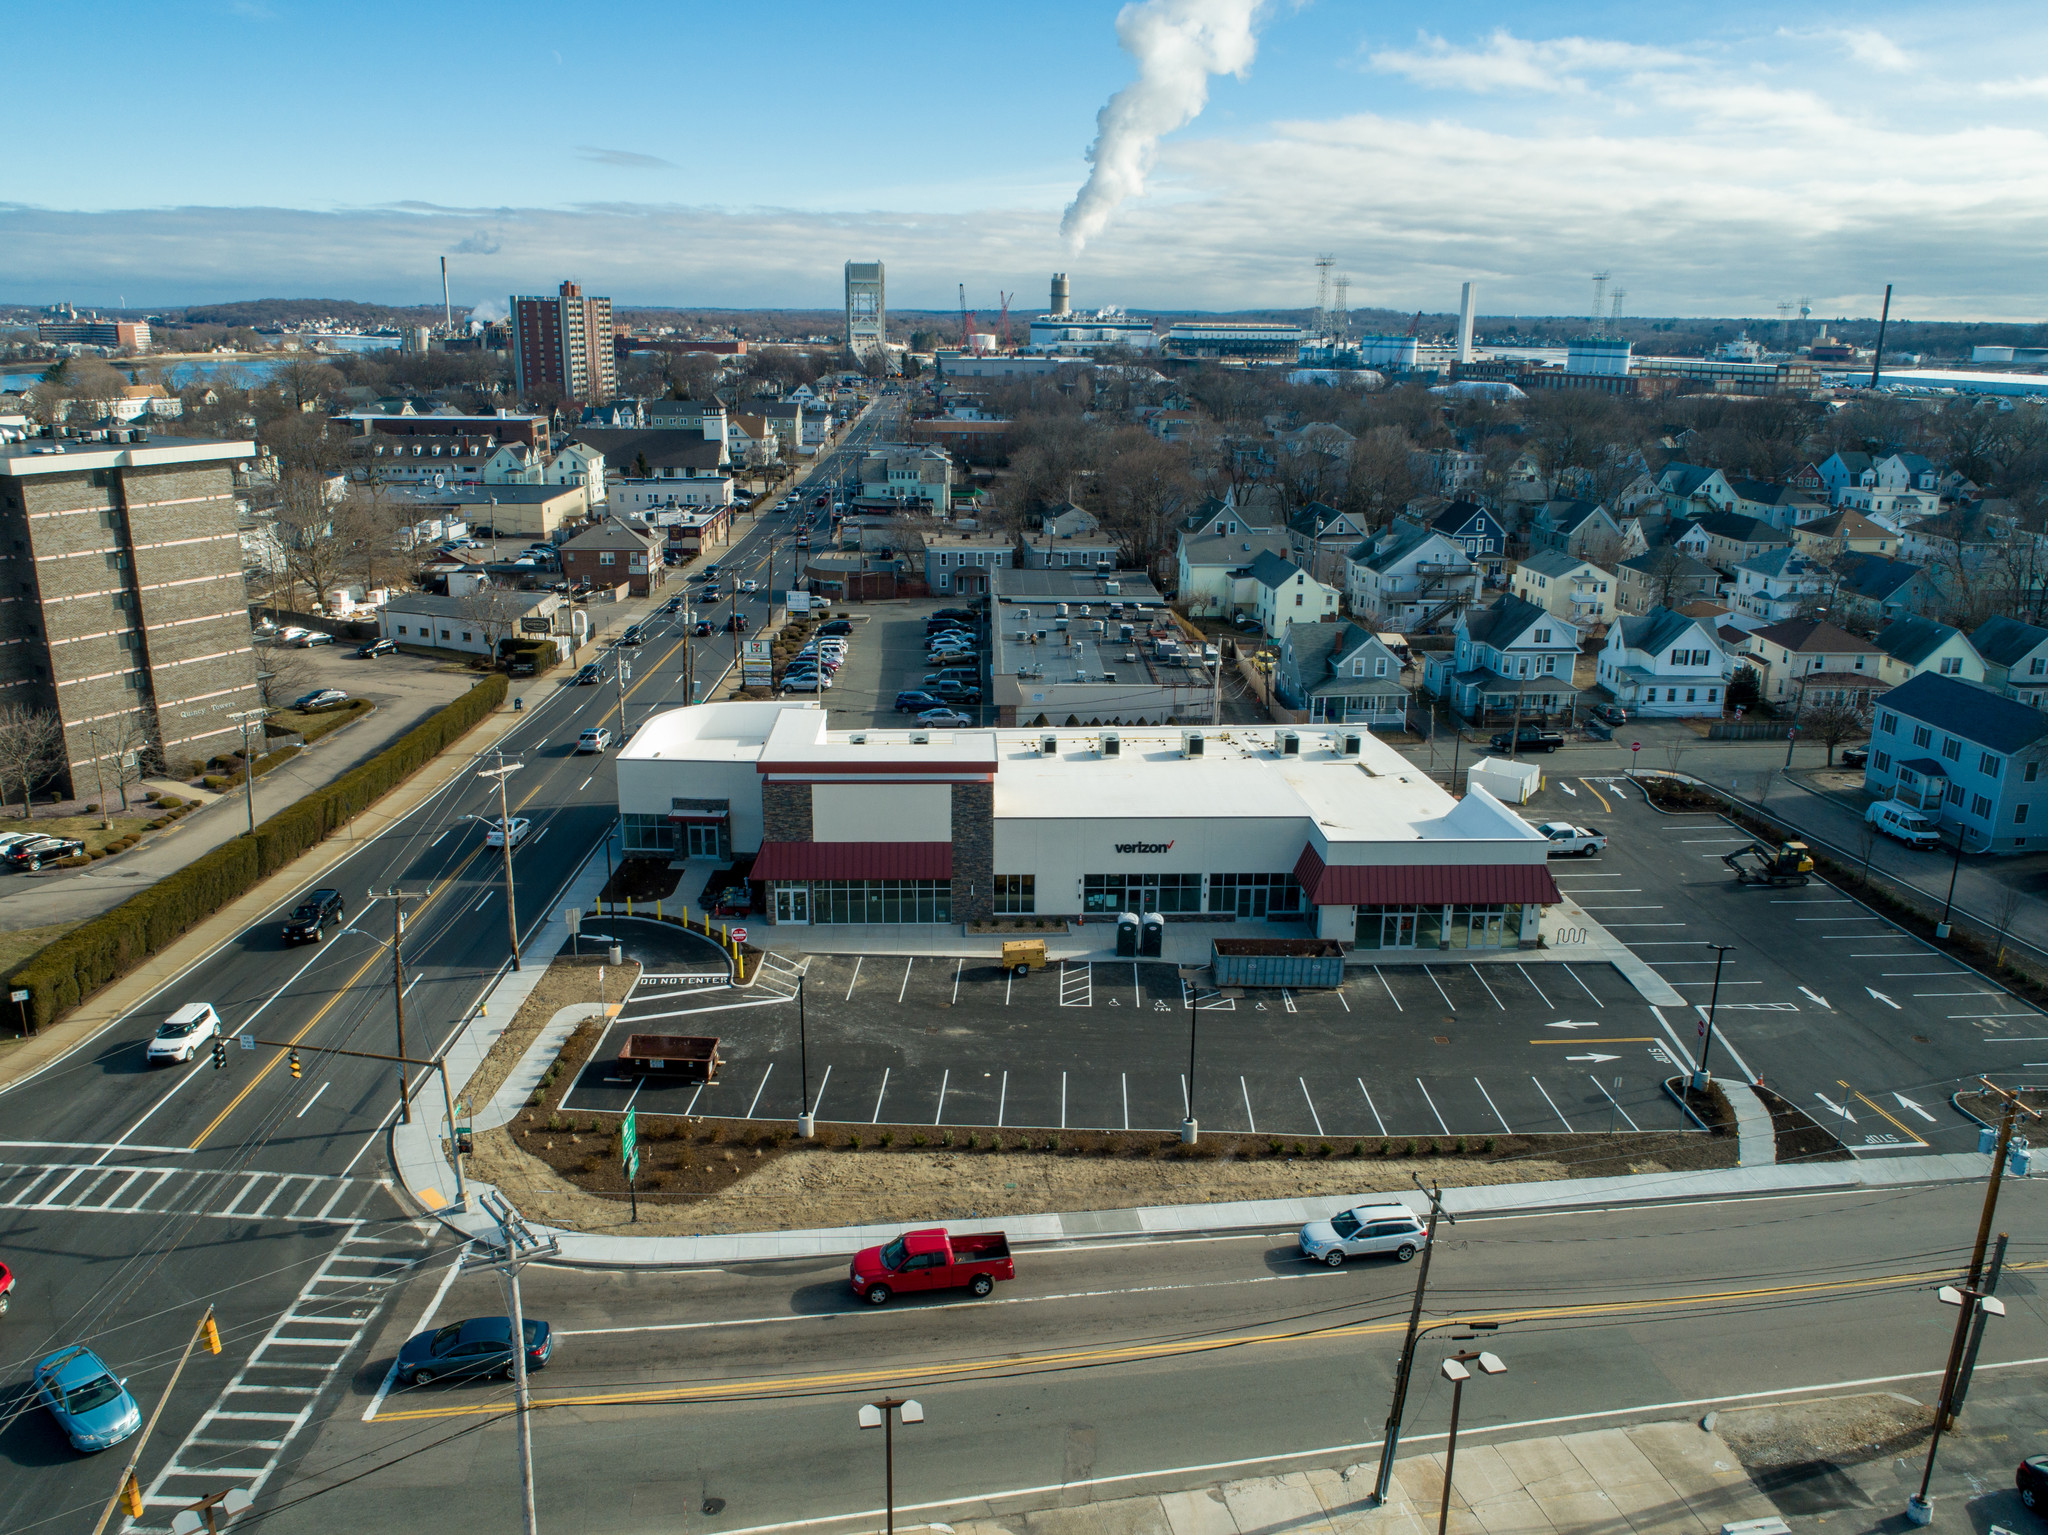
739	935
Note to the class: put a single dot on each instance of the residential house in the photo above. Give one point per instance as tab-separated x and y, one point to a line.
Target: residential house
786	418
1874	590
1410	579
1726	539
1323	437
1319	537
1582	528
515	463
1844	471
1967	756
1688	489
1782	506
420	460
1907	471
1044	548
1509	657
1566	587
1525	481
1665	577
1340	674
1452	471
1808	663
2015	657
577	464
1174	425
1778	585
661	467
1067	519
1903	504
1807	477
1638	495
1214	559
1483	535
1286	595
1912	646
907	477
1665	664
751	439
615	552
1965	538
957	564
1844	532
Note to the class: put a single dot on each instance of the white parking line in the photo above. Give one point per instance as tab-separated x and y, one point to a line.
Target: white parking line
1532	983
1495	1107
856	977
1390	991
819	1096
1247	1105
751	1106
1125	1078
1340	996
878	1097
1003	1100
1552	1102
1489	990
908	964
1287	1000
1430	971
1371	1105
1063	1100
944	1080
1432	1106
1583	986
962	965
1312	1114
1137	991
1610	1098
480	905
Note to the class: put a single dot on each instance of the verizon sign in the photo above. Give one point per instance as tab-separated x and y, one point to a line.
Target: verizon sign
1144	847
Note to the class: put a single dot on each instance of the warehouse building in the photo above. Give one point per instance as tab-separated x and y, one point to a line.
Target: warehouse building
1326	828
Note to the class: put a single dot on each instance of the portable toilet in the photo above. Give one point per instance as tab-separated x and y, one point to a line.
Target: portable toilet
1127	935
1152	941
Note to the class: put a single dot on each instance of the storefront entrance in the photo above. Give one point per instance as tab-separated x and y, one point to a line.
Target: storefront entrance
700	840
793	905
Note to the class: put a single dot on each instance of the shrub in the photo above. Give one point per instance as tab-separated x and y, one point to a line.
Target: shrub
554	1122
95	853
1460	1147
888	1137
215	782
853	1141
1274	1148
919	1139
973	1140
92	810
1358	1150
1323	1149
1489	1145
535	1098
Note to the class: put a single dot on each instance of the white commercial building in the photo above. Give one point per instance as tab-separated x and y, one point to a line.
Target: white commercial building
1325	826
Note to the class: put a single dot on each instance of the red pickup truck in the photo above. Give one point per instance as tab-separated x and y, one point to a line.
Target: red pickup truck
931	1260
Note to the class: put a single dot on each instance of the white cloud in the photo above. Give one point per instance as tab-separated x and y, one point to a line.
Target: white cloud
2037	85
1871	47
623	159
1505	62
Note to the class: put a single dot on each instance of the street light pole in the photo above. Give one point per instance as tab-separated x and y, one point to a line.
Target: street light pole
1456	1373
806	1122
1699	1075
398	898
1919	1507
882	1415
501	772
1791	739
1962	836
1190	1127
516	1246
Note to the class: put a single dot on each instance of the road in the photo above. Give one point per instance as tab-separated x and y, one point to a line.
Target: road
130	1198
1104	1367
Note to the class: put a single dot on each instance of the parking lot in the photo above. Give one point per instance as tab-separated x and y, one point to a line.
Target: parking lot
887	655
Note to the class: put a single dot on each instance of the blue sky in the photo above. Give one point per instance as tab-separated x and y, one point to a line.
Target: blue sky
1718	158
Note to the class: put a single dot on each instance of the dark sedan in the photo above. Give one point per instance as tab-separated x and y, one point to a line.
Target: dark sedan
2032	1479
479	1346
310	918
376	648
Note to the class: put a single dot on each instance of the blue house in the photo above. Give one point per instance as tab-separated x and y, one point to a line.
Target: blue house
1966	756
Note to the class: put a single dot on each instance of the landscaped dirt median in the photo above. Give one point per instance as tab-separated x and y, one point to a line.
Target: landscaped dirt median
569	980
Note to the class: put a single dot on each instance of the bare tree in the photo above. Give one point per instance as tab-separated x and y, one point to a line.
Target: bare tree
366	529
282	674
31	748
1831	722
494	610
2004	907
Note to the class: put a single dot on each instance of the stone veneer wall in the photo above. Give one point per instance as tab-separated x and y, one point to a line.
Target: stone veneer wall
974	851
785	817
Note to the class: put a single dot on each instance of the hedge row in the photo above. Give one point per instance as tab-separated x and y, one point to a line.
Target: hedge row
62	974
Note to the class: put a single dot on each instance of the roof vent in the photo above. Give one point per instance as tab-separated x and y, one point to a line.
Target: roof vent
1353	743
1112	744
1290	744
920	738
1048	746
1191	743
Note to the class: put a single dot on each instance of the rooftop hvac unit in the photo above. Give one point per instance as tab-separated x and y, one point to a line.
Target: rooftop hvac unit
1112	743
1191	743
1290	744
1023	635
1048	746
1083	610
1095	626
1112	588
857	739
1353	744
920	738
1061	610
1059	623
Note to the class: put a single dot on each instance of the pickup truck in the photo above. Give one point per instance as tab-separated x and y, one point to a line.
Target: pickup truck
931	1260
1567	840
1529	741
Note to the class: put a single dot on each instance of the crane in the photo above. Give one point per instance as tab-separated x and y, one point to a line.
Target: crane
1415	324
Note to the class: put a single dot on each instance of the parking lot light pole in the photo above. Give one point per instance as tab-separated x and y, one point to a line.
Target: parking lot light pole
1941	928
882	1415
501	772
1699	1075
1190	1127
806	1122
1456	1373
1968	1302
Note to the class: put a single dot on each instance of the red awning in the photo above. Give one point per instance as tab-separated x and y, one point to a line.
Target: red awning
854	860
1375	884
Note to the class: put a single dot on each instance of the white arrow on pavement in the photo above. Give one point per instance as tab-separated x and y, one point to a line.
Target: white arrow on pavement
1823	1001
1908	1103
1574	793
1887	1001
1592	1057
1838	1108
1566	1023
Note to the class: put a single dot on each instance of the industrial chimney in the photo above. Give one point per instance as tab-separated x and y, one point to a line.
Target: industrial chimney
447	309
1465	325
1059	293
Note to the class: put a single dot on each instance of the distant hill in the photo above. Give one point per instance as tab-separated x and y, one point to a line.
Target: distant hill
301	311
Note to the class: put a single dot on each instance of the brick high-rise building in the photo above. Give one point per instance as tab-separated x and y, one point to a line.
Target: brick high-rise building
562	347
121	602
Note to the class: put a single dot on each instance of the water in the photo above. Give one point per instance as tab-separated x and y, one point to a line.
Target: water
256	365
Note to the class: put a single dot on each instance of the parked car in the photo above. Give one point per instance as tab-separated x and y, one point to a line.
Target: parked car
595	739
37	851
963	615
90	1405
179	1036
494	835
480	1346
309	919
954	692
1898	820
946	717
1529	740
306	639
912	701
2032	1481
324	698
589	675
1569	841
702	628
1388	1229
376	648
290	635
931	1259
1612	714
1855	756
836	626
1244	623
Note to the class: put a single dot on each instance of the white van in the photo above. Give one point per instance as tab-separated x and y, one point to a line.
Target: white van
1902	821
180	1036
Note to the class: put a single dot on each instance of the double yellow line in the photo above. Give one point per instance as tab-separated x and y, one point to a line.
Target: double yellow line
1133	1353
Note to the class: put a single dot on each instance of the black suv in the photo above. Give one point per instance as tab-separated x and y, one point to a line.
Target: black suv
1531	739
308	921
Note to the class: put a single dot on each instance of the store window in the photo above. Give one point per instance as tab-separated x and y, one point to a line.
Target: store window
1108	894
1255	895
881	900
1484	927
1399	927
649	833
1016	895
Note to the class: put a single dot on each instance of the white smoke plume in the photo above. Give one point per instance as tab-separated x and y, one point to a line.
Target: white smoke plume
1178	44
489	312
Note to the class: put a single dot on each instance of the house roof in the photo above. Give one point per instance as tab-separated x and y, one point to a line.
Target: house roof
662	447
1651	564
1913	640
1554	562
1506	622
1406	540
1873	576
1231	549
1847	524
1312	519
1969	711
1654	630
2003	641
613	533
1682	479
1739	529
1460	515
1570	516
1780	562
1855	463
1274	570
1811	636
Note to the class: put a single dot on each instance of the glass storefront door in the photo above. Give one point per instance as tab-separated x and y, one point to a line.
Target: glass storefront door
793	904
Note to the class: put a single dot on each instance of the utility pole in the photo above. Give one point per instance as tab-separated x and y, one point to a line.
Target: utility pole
1392	1445
621	675
1955	1381
398	898
501	772
516	1247
243	717
208	1333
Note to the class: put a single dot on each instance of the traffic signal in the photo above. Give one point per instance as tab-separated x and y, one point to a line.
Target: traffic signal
210	1334
131	1497
220	1053
295	1065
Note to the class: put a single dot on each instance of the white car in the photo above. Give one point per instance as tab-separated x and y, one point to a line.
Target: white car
1364	1230
181	1036
495	836
804	682
306	639
750	586
595	739
1569	841
290	636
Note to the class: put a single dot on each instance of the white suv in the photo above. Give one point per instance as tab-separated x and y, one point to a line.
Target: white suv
595	739
1367	1229
180	1036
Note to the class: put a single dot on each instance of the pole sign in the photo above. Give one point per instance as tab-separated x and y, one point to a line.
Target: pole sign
739	935
757	663
629	1145
17	996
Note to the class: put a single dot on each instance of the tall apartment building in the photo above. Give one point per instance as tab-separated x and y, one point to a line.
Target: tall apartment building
562	347
91	331
121	600
867	307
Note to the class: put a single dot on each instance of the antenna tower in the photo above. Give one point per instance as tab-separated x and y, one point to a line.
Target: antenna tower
1340	321
1323	265
1005	325
1614	309
1600	281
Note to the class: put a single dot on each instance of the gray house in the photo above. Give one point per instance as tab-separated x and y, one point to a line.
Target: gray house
1339	674
1966	756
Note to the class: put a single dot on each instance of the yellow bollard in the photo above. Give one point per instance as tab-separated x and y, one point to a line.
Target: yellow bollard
657	911
629	906
723	936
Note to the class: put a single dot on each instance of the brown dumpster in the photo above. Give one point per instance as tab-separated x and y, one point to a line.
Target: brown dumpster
686	1057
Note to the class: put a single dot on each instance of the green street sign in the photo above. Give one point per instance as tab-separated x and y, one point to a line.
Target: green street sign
629	1140
632	1164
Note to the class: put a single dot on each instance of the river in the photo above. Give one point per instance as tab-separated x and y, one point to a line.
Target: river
255	364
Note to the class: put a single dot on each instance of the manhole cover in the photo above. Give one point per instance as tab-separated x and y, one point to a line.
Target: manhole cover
1443	1039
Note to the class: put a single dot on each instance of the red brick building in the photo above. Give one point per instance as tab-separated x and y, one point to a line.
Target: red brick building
562	347
615	551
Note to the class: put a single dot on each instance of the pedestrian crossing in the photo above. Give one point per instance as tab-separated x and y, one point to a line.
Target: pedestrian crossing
122	1189
241	1439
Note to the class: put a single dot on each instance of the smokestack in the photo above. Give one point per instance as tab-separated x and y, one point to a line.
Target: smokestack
1059	293
1465	325
447	312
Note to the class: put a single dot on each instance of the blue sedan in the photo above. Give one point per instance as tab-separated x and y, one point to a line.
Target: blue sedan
94	1409
478	1346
